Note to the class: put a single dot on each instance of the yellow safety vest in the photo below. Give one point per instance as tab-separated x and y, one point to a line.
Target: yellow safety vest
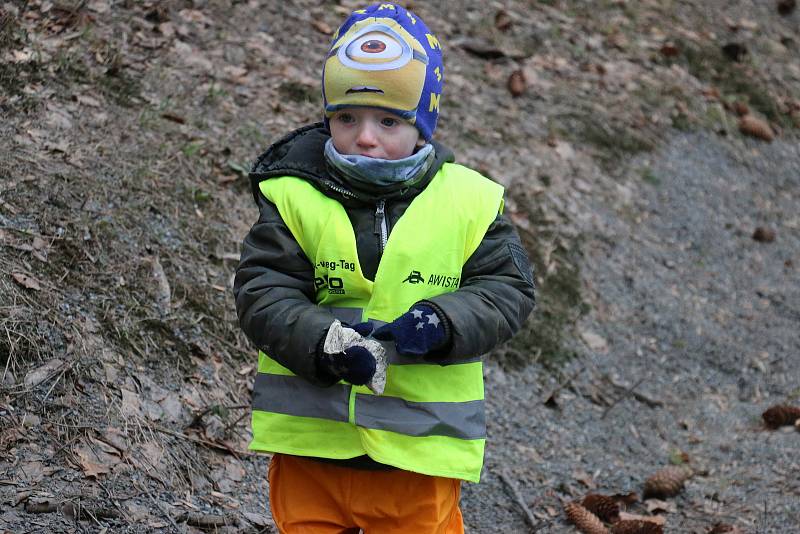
430	418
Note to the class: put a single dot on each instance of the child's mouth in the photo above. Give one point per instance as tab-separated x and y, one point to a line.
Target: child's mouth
363	89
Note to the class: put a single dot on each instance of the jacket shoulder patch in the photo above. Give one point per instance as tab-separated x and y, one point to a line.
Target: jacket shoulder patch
521	262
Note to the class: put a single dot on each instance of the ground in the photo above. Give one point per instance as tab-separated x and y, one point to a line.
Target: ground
650	157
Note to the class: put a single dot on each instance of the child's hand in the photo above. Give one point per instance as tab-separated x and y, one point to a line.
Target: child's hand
417	332
348	355
355	365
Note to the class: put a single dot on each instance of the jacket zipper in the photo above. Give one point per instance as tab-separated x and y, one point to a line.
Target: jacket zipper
343	192
381	229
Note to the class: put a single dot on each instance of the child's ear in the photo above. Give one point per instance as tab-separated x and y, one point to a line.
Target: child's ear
420	142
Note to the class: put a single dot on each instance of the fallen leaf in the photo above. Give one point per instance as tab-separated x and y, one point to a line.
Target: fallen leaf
595	341
172	406
670	50
116	438
166	29
584	478
194	15
131	403
734	51
747	24
31	472
20	56
764	235
259	520
58	117
94	461
234	470
40	374
26	281
516	83
481	49
88	101
740	108
99	6
106	448
59	146
192	57
502	20
724	528
658	520
562	148
655	506
321	27
173	117
163	291
785	7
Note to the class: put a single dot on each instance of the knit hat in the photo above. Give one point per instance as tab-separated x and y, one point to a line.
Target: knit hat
384	56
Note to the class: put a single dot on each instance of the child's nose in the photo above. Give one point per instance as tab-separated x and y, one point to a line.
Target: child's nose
366	136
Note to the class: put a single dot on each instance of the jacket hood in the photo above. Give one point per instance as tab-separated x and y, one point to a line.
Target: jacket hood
301	153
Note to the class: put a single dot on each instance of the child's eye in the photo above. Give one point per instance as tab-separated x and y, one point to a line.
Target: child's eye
345	118
388	121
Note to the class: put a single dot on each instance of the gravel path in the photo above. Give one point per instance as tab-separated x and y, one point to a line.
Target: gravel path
702	318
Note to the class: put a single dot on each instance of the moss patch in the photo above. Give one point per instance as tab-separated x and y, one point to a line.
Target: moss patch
559	303
735	80
611	139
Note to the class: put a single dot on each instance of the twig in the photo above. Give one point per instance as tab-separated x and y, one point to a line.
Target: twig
200	441
158	505
113	501
625	395
227	343
206	521
550	399
510	483
628	391
69	508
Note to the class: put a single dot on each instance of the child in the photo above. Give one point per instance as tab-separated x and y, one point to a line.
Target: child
372	249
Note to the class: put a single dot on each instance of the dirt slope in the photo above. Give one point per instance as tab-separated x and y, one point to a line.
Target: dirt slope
664	328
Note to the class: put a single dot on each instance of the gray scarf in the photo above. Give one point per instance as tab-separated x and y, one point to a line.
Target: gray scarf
368	171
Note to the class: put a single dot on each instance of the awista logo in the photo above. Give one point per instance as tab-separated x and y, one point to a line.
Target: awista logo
441	280
414	278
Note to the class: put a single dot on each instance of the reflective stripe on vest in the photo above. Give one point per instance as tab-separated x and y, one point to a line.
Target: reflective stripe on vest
291	395
430	418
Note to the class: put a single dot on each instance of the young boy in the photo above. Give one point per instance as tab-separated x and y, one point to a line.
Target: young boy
377	274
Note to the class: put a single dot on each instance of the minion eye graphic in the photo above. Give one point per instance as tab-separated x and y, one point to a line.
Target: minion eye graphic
373	46
376	47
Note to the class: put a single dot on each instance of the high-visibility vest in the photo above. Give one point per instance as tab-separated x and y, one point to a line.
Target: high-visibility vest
430	418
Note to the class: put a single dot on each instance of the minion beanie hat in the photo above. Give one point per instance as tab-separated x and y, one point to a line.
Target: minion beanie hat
384	56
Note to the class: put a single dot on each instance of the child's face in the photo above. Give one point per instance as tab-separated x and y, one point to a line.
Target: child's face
373	132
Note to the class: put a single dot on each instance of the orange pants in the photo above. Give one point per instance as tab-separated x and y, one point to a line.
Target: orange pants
307	496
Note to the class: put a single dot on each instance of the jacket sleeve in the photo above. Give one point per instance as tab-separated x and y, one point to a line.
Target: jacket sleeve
274	291
497	294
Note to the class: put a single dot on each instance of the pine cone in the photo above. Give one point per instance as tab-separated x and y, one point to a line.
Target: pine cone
667	482
755	127
637	527
604	507
781	414
585	521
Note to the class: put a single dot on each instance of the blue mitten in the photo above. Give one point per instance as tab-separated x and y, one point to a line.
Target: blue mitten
417	332
355	365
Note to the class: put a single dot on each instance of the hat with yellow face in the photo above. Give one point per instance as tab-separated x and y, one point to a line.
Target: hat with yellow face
384	56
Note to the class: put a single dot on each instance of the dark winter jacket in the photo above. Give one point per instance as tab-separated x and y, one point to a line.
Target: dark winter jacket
274	284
